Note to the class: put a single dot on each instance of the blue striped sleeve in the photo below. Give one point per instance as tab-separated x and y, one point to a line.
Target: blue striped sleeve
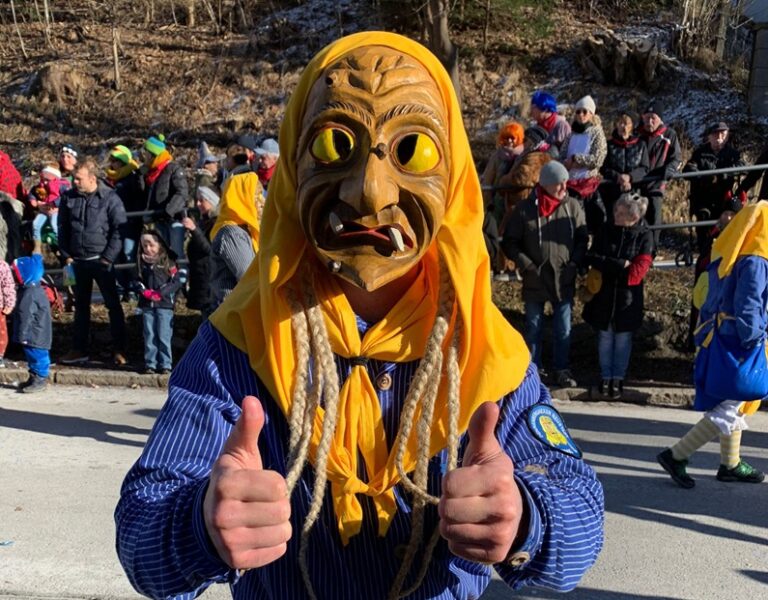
564	496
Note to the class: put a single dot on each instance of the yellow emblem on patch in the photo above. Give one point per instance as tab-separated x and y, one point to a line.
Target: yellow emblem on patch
547	426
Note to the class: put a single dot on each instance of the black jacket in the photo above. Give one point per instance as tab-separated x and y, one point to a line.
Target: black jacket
617	303
625	157
169	192
132	193
89	224
753	176
32	317
199	254
664	157
12	219
162	280
708	194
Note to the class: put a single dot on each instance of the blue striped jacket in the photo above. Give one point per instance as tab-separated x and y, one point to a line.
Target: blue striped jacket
164	548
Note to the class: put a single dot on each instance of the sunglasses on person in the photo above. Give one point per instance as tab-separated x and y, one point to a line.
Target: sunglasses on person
581	111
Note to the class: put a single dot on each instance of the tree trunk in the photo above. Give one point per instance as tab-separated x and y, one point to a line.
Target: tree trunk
439	41
116	56
16	25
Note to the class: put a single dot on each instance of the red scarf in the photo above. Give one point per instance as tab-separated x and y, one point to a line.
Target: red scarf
547	204
584	187
265	174
155	171
549	122
619	141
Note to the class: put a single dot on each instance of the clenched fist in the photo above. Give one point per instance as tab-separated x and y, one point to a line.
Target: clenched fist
246	508
481	507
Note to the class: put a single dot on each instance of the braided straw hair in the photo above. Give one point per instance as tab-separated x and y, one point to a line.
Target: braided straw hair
311	339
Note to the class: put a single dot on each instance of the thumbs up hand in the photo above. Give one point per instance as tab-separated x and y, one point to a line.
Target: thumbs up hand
246	509
481	507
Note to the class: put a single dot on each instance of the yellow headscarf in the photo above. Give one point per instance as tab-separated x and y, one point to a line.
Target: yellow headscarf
745	235
238	205
256	317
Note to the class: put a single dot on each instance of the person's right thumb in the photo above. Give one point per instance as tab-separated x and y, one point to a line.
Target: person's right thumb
243	443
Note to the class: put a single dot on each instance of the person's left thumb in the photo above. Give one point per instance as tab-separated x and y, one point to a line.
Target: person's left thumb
482	445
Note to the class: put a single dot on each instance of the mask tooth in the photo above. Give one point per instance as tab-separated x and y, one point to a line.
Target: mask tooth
335	223
396	238
334	266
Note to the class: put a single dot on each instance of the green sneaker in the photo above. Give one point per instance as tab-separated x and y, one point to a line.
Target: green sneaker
742	472
676	469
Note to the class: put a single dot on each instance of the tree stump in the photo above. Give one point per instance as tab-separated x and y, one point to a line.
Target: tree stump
611	59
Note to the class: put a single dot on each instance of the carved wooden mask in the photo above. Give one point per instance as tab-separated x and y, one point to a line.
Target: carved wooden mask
373	165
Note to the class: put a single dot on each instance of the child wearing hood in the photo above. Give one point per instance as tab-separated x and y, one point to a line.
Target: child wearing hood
32	321
45	197
159	280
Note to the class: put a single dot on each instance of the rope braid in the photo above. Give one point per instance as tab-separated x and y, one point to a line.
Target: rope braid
425	384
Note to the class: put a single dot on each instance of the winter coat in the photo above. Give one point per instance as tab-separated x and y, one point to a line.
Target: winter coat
10	242
32	318
199	295
169	193
7	287
131	191
664	157
10	179
163	280
753	176
524	176
586	164
547	250
89	224
624	157
708	194
619	302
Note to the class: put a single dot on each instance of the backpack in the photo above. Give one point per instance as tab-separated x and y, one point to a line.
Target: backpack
54	296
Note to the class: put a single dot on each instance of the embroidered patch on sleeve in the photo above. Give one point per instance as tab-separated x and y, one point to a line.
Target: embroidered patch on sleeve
548	427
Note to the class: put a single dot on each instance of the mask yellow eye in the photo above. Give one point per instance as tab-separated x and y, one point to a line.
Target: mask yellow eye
417	153
332	145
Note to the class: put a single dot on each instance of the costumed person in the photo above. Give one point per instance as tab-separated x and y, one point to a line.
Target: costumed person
167	192
32	327
544	112
123	175
159	281
546	236
619	259
732	316
45	197
583	153
328	434
235	235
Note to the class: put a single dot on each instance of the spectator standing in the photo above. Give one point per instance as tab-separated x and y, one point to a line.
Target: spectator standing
11	211
46	197
546	236
544	112
583	153
199	295
235	236
90	218
524	174
124	177
207	174
626	162
32	322
664	159
159	279
10	179
619	258
509	146
7	303
737	294
267	155
167	192
710	196
754	176
67	162
238	159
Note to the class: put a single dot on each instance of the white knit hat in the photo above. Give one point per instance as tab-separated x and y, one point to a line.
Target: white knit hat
586	102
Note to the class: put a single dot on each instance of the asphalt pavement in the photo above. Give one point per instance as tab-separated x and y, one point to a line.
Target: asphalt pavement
63	455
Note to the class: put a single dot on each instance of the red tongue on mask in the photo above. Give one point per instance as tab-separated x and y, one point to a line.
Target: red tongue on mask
353	230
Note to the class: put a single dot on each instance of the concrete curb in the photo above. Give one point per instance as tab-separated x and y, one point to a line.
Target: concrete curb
89	377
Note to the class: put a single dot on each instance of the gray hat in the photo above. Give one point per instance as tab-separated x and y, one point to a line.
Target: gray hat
588	103
553	173
207	194
268	146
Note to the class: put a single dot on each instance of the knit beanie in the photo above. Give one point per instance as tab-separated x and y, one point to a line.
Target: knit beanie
544	101
155	144
207	194
121	153
536	134
51	170
656	107
586	103
553	173
69	149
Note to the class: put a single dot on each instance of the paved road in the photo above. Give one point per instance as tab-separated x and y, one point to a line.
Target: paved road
63	456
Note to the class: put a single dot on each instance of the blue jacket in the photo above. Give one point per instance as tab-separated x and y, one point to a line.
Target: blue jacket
32	316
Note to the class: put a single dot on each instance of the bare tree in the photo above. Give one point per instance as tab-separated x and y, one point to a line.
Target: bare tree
16	25
438	38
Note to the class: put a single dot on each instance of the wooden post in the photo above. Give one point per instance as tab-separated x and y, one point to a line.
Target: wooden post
115	55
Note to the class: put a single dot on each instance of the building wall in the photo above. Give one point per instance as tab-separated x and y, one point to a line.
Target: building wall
758	80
